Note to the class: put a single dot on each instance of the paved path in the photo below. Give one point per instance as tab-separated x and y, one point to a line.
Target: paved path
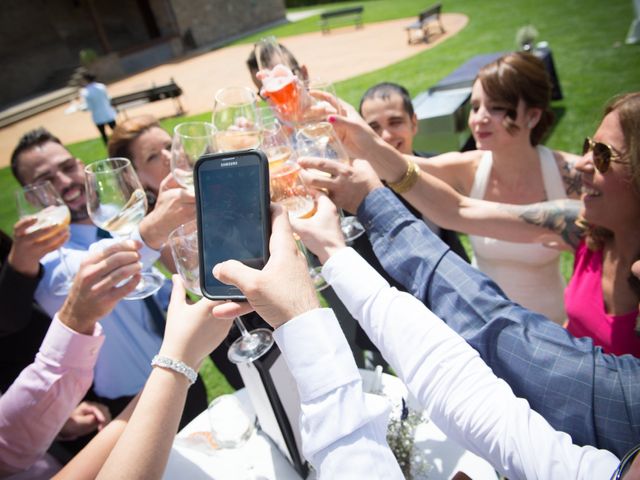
342	54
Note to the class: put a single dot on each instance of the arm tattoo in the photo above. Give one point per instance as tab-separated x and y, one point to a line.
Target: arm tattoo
557	216
571	178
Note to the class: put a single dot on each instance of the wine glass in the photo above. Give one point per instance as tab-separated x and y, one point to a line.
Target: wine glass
191	140
269	54
320	140
42	202
183	242
275	144
236	120
231	426
288	189
116	202
317	109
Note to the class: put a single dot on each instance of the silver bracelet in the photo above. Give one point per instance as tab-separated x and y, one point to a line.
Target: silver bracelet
176	366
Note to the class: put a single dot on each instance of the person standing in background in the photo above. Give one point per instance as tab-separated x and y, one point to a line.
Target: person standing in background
98	102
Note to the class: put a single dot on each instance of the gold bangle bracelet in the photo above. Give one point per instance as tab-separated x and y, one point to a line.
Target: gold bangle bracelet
409	179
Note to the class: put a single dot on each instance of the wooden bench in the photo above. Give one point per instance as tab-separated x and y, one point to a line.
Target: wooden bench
354	13
153	94
422	26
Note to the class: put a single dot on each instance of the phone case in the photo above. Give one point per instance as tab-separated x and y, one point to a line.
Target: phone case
230	292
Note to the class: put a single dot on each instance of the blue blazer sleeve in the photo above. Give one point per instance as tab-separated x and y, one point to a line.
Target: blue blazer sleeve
594	397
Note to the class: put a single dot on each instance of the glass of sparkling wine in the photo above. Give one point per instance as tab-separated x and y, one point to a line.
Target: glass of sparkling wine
191	140
183	242
42	202
289	190
235	117
320	140
116	202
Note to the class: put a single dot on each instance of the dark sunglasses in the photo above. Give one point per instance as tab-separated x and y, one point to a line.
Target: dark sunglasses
603	154
625	463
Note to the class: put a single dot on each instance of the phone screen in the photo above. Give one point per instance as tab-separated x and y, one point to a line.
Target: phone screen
232	194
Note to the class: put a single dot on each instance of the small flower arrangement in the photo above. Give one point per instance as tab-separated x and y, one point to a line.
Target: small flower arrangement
400	437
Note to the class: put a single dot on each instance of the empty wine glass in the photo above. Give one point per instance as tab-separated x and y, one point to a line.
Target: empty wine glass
235	118
269	54
317	109
231	426
42	202
183	242
116	202
320	140
191	140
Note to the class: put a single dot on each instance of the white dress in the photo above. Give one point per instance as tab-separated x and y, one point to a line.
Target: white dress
529	273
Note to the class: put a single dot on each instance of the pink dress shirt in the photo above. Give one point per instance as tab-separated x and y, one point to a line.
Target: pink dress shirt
38	403
586	310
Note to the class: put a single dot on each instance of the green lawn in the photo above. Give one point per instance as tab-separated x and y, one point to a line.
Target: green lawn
586	36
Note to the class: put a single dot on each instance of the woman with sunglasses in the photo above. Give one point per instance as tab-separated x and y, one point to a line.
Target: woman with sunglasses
601	298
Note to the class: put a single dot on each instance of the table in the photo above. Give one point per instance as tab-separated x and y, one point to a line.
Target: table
260	459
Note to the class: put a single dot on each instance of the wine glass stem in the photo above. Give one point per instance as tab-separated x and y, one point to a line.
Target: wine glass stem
243	330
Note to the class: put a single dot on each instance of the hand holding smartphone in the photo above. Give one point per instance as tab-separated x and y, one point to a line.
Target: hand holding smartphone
232	204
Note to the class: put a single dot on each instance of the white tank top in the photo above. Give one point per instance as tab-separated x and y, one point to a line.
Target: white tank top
529	273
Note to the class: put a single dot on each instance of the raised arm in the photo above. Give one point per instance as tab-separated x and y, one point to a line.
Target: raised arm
20	271
313	344
550	222
460	393
523	348
37	404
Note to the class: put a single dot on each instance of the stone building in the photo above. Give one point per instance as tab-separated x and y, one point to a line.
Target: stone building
41	40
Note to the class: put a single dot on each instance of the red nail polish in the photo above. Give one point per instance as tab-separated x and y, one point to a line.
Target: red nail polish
331	119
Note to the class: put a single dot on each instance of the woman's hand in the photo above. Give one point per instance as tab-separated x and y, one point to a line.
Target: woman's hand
29	247
192	332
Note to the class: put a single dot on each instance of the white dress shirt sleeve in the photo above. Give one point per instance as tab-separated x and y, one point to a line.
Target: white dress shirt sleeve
343	429
458	390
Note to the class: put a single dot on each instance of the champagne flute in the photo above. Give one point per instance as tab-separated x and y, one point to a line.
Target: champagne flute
236	120
275	144
116	202
289	190
42	202
320	140
191	140
183	242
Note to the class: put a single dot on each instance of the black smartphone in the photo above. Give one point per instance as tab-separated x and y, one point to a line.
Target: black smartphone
234	221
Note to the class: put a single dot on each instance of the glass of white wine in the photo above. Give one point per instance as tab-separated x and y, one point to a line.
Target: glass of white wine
116	202
235	117
320	140
42	202
191	140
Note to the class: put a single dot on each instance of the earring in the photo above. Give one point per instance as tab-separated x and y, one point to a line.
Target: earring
530	124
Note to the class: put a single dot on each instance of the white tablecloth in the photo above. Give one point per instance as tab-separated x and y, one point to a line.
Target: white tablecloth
259	458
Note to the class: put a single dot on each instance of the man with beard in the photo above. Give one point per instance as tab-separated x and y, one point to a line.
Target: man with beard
134	328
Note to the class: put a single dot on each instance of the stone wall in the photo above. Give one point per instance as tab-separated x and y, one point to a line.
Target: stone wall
203	22
40	40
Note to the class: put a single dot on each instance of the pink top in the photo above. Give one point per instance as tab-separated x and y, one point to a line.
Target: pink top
39	402
586	310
